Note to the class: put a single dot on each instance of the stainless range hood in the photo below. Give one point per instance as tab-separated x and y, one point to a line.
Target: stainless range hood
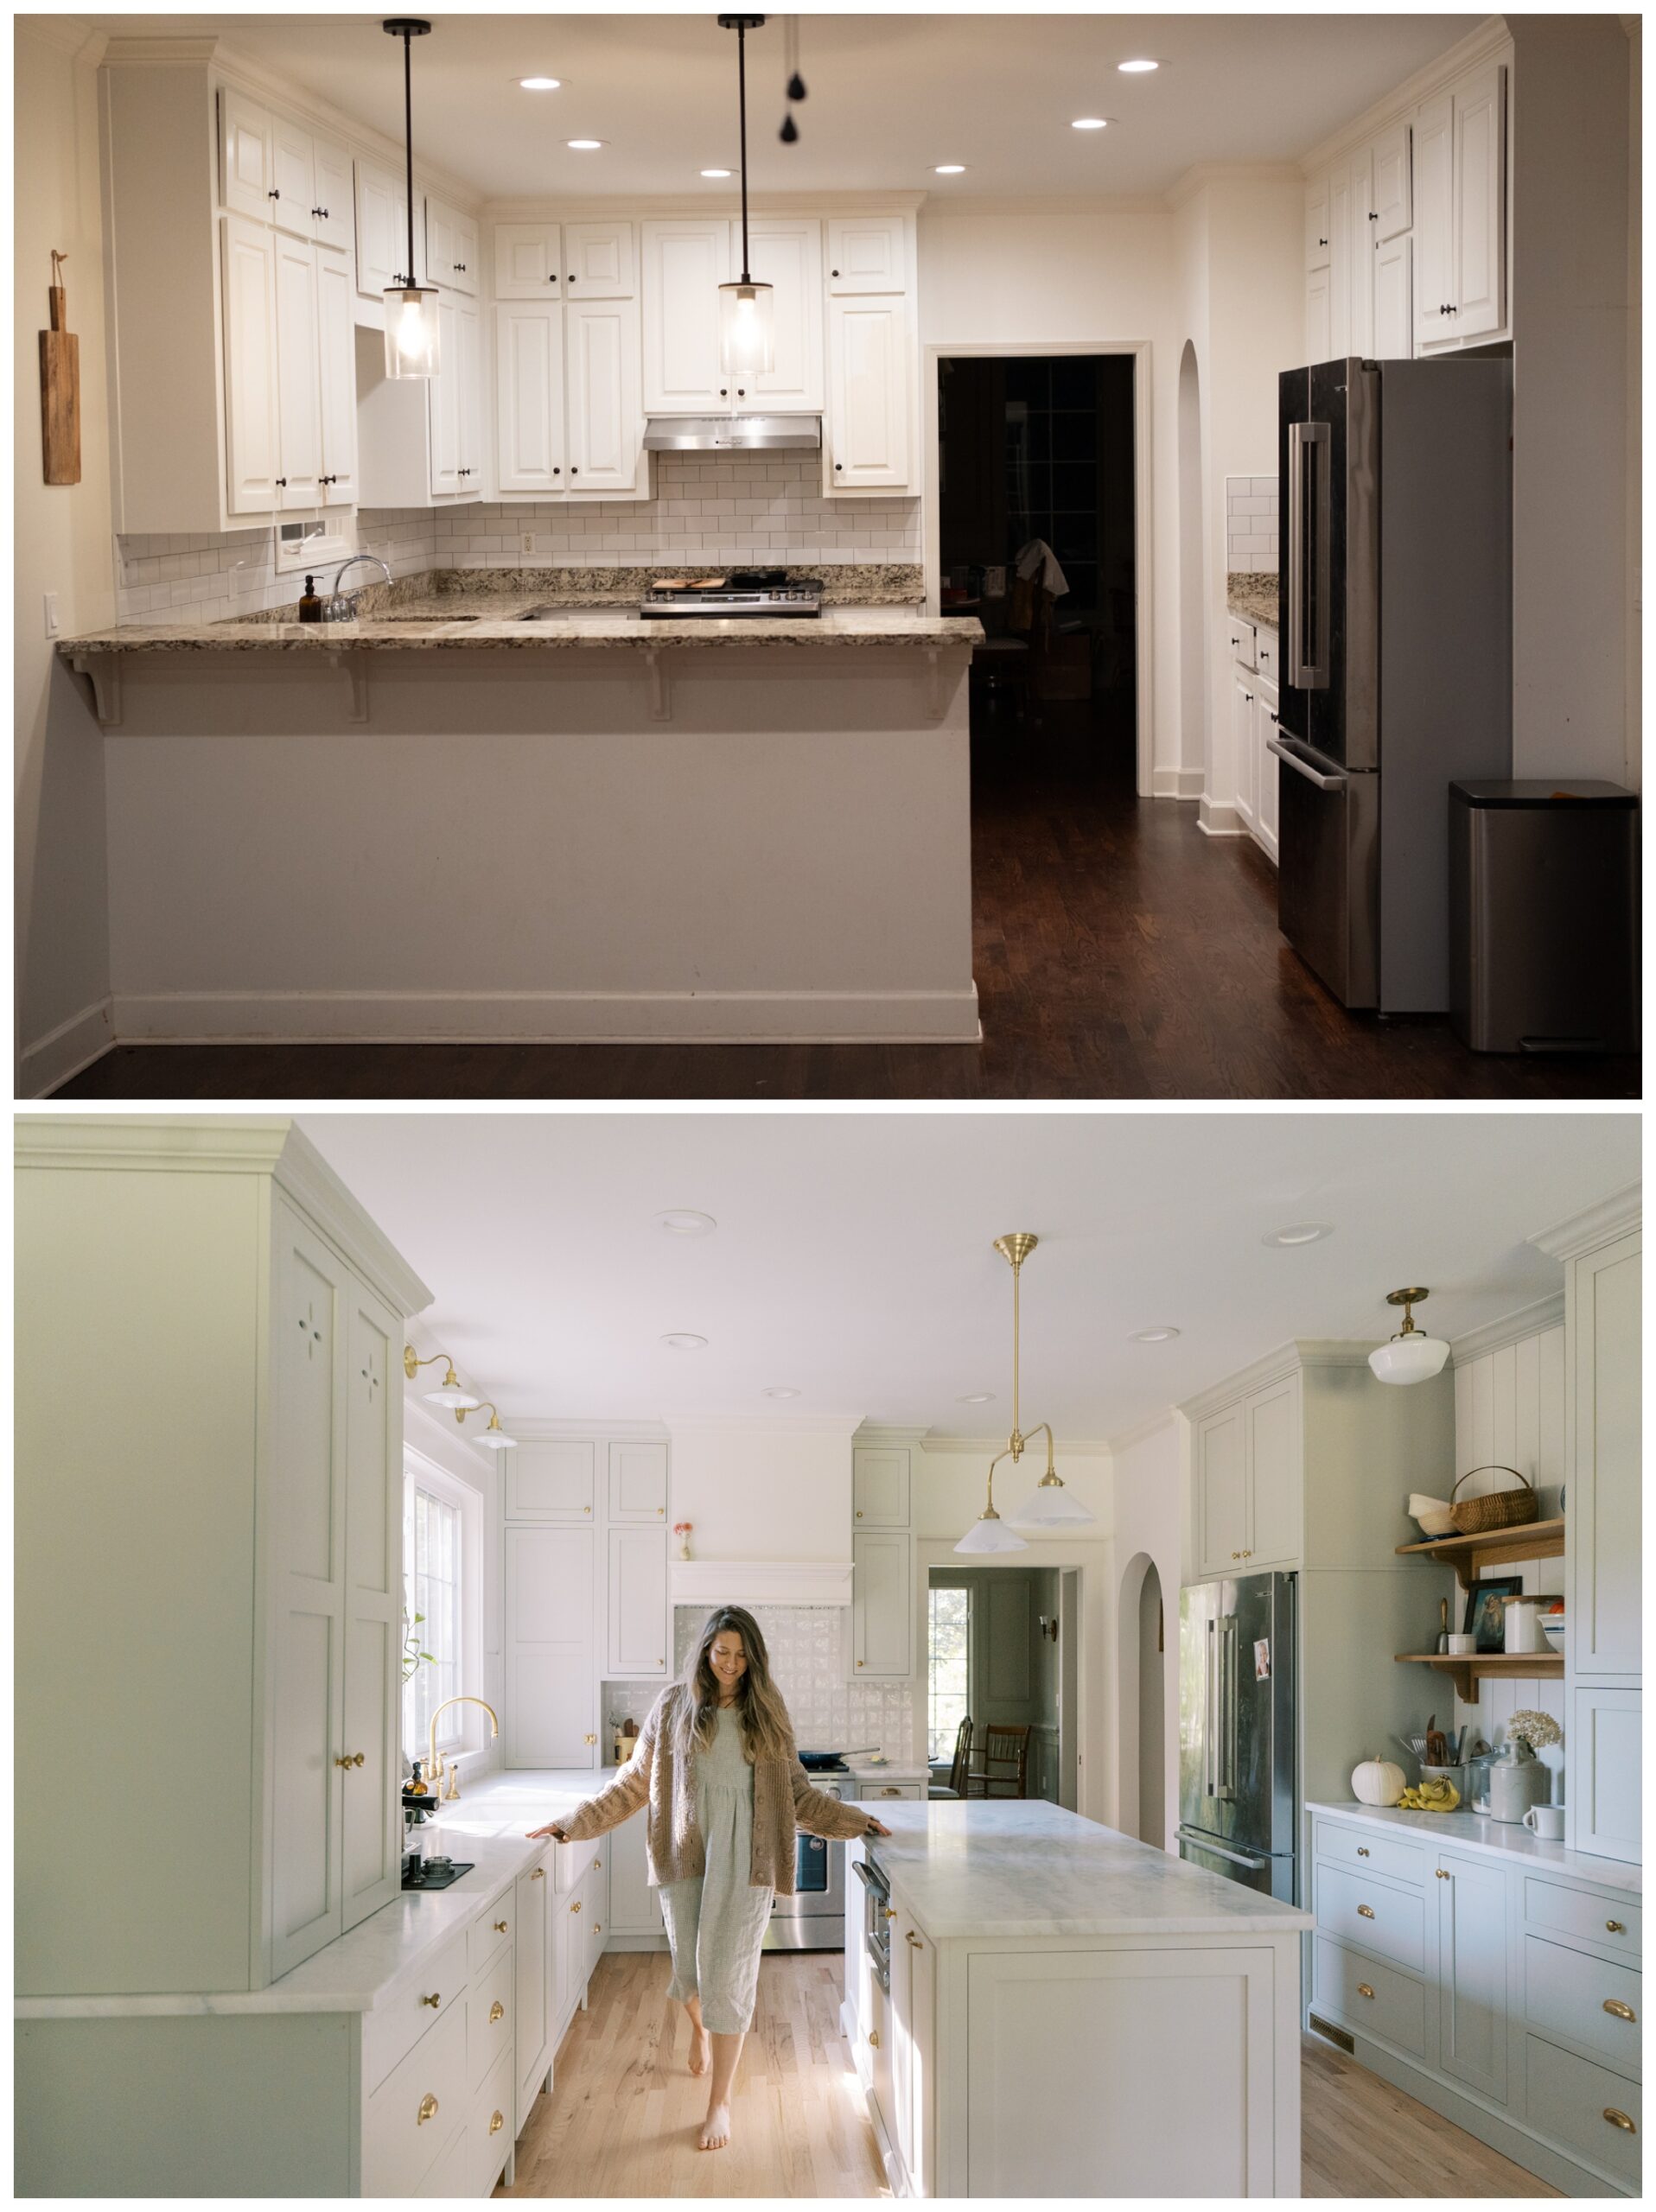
733	433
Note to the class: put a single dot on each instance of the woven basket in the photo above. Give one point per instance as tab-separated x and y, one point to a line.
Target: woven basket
1501	1508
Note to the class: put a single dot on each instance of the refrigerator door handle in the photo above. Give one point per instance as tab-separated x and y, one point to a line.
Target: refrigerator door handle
1309	517
1229	1652
1295	552
1207	1672
1237	1857
1283	750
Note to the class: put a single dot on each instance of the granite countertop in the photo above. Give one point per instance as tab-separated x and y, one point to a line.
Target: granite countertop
1506	1840
1252	593
493	623
1024	1867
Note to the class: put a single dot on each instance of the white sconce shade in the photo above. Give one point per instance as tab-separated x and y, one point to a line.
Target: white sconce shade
1053	1507
412	345
990	1535
1412	1358
746	328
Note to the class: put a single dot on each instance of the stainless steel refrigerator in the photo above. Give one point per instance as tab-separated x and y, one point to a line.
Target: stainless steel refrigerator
1395	597
1239	1788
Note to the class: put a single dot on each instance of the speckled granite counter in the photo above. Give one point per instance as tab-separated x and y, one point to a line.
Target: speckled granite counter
1252	594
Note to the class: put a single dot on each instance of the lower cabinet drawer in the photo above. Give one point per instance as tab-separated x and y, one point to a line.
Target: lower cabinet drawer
488	2018
1391	1922
489	2127
570	1862
490	1931
410	2010
1587	1999
1368	1848
1583	2108
1375	1999
1594	1918
871	1790
452	2174
410	2116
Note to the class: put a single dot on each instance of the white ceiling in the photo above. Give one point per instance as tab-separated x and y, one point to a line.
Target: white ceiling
889	95
852	1259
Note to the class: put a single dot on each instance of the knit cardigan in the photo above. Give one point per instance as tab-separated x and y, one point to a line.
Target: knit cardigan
784	1801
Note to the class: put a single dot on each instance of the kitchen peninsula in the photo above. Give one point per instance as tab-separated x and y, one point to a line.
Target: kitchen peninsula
498	814
1045	2008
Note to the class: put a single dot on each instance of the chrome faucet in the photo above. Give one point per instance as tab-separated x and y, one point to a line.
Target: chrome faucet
450	1795
342	608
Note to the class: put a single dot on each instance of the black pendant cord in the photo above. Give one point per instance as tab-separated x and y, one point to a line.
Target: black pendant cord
408	141
741	103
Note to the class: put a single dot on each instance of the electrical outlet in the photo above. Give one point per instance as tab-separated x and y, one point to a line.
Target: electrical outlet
526	541
51	615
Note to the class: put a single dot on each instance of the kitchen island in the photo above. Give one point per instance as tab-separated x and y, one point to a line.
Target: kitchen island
461	818
1068	2012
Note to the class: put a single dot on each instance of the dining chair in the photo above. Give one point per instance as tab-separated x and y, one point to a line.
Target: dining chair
956	1781
1005	1744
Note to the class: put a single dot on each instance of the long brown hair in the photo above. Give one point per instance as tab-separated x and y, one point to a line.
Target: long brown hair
767	1732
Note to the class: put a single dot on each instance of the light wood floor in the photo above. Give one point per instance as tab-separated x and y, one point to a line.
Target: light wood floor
622	2116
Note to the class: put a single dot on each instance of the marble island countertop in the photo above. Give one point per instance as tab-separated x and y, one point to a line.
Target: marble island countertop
1024	1867
1252	593
1509	1841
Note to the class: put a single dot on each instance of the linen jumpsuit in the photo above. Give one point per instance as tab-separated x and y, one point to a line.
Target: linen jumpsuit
717	1920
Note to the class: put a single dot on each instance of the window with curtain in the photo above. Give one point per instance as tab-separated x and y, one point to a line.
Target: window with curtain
431	1585
949	1668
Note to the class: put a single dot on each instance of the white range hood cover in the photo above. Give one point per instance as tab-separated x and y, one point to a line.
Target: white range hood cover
760	1582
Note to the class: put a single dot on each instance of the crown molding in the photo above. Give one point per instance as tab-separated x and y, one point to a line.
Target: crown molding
70	34
131	51
1491	38
773	1425
1031	207
673	205
1298	1354
883	1435
1616	1215
546	1428
1511	1328
1067	1447
1200	175
1142	1432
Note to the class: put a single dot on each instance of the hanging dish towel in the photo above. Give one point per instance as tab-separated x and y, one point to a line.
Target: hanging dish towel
1038	563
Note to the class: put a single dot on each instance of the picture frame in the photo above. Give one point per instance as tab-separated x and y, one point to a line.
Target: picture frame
1486	1618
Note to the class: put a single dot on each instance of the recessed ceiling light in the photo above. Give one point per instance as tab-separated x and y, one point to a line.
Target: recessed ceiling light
1135	68
1090	123
683	1221
715	171
778	1390
540	84
976	1398
584	145
1302	1232
681	1340
1152	1336
950	169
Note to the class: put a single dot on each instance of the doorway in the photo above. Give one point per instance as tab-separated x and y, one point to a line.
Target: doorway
999	1648
1141	1713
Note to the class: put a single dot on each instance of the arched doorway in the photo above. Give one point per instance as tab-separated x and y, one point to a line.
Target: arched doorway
1192	622
1141	1719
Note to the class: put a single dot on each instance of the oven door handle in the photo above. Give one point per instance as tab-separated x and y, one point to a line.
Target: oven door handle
1205	1843
859	1867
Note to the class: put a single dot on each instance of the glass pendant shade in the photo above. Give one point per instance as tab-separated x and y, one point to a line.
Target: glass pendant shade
452	1395
1412	1358
990	1535
496	1438
746	328
412	340
1053	1507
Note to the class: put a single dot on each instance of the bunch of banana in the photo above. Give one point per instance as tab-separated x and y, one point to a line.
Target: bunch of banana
1430	1797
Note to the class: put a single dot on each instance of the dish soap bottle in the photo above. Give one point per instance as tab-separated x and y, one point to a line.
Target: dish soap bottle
310	607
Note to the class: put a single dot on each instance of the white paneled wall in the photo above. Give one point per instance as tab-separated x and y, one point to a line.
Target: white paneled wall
1509	1410
1251	522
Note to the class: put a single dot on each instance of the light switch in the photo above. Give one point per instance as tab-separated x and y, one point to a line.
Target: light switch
51	615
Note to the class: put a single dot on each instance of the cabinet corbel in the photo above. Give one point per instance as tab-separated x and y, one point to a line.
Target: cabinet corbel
103	675
355	667
660	694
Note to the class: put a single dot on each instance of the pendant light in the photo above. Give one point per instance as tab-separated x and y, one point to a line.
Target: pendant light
746	318
1051	1506
1412	1356
411	309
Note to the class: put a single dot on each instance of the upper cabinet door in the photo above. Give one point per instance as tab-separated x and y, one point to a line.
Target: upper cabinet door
685	264
1394	317
293	177
869	436
443	398
250	365
336	336
373	1604
298	374
1434	185
331	211
469	324
1360	337
1221	1504
1273	1444
880	1487
1339	259
551	1478
381	231
1319	339
866	253
551	1671
528	261
637	1482
245	181
787	255
882	1641
529	396
1388	167
1318	238
606	433
1479	294
1606	1524
599	262
638	1602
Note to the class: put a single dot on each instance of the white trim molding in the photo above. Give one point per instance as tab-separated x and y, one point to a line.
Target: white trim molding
1298	1353
63	1053
759	1582
1511	1328
1490	38
1617	1216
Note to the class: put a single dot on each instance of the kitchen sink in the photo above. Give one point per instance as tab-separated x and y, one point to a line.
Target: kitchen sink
431	621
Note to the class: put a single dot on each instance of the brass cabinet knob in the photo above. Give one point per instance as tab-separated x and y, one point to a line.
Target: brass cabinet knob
874	2038
497	2123
1362	1851
859	1514
586	1508
345	1761
598	1865
889	1910
1618	2010
1615	1927
588	1739
1365	1912
909	1936
428	2109
891	1790
496	2012
352	1758
1619	2119
500	1927
433	2000
539	1874
1236	1554
660	1512
1363	1989
576	1907
598	1928
859	1662
1247	1555
1443	1873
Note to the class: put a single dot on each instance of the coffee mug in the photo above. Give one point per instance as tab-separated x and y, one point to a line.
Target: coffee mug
1462	1646
1546	1822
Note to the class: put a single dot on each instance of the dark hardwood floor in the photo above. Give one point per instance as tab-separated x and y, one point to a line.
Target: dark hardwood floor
1119	953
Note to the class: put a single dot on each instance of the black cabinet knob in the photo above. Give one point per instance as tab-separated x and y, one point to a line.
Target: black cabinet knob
741	391
558	472
273	194
282	483
723	393
838	465
575	471
833	272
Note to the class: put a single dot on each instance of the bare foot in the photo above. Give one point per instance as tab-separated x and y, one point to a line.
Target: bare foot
700	2051
716	2129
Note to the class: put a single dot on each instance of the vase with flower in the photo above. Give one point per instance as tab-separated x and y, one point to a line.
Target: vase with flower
681	1529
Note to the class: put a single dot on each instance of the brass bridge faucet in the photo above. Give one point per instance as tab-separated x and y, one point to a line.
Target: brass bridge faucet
439	1767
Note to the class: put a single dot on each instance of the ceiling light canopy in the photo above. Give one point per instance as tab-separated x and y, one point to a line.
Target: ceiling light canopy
1137	68
950	169
583	145
682	1340
778	1390
976	1398
450	1393
1302	1232
747	309
411	347
1162	1336
685	1221
1412	1356
717	172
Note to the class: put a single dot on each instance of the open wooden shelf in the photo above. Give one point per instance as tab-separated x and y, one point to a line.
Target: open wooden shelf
1467	1668
1469	1555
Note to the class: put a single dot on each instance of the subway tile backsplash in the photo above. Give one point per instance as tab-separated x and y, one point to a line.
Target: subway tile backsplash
1251	519
808	1647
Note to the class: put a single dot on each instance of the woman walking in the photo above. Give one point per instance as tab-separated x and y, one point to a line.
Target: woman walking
726	1793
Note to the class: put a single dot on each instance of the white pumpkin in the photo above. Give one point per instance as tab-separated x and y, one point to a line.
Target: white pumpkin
1377	1782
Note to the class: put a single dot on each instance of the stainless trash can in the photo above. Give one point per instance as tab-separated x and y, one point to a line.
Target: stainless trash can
1544	915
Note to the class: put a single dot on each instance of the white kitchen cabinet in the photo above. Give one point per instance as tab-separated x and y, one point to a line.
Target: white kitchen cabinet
551	1677
528	261
532	1951
247	178
1222	1518
1318	239
684	261
551	1478
1273	1465
249	258
866	253
1479	178
529	399
293	201
637	1482
606	429
869	384
913	2057
638	1640
1471	1972
456	401
880	1478
635	1907
1390	171
1434	231
1604	1416
1605	1739
381	231
372	1842
451	249
786	253
298	374
883	1638
599	262
1266	794
1341	274
336	352
1394	304
1242	749
1319	328
332	184
1361	227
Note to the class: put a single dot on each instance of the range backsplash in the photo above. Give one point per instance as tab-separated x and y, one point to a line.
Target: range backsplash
1251	520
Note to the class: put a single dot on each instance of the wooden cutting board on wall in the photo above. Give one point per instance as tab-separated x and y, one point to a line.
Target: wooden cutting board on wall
59	389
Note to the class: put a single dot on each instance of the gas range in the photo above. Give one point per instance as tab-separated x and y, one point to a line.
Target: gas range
739	592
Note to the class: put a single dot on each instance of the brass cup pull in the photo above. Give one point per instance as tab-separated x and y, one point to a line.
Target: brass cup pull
576	1907
874	2038
1365	1912
1363	1989
909	1936
428	2109
1618	2010
1619	2119
497	2123
496	2012
1616	1927
433	2000
500	1927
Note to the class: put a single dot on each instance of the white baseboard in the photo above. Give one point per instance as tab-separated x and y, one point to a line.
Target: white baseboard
1176	783
1219	818
54	1059
550	1017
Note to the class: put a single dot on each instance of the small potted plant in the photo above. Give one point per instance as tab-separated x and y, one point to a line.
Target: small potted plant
681	1529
